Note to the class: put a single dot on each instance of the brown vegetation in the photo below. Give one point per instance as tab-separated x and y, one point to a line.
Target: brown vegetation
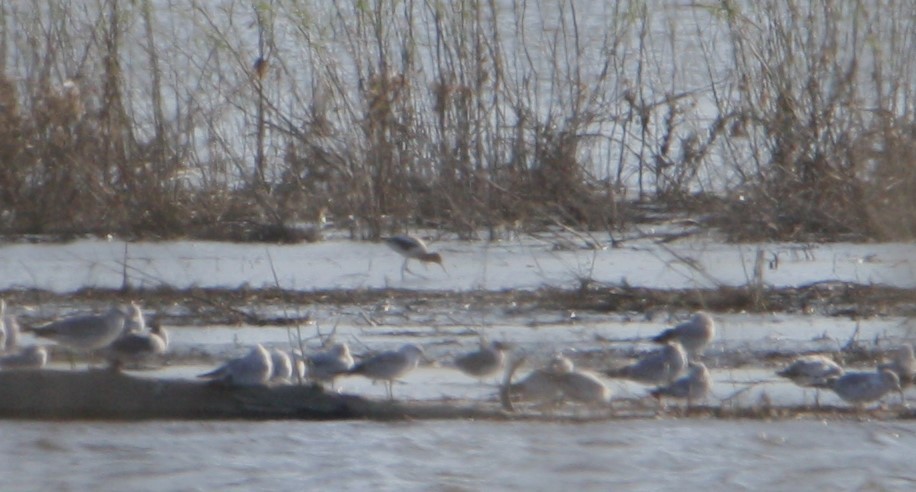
242	120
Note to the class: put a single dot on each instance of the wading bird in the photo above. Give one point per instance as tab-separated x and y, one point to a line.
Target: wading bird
411	247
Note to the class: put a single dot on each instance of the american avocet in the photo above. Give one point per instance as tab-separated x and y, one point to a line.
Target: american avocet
659	367
485	362
389	366
252	369
85	332
31	357
693	386
903	364
411	247
327	366
136	348
282	366
694	334
812	371
860	388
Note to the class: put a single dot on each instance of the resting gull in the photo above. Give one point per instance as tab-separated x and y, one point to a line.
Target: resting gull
252	369
692	386
659	367
136	347
31	357
694	334
327	366
812	371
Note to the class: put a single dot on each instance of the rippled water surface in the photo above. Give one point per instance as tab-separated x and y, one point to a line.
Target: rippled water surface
458	455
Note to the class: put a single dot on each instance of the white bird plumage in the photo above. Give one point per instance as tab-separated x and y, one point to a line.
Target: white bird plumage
252	369
135	348
692	386
31	357
812	371
659	367
85	332
325	367
9	329
694	334
860	388
485	362
282	369
389	366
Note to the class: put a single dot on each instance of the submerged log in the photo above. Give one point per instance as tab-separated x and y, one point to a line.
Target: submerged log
110	395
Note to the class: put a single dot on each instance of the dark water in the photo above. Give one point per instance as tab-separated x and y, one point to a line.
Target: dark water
458	455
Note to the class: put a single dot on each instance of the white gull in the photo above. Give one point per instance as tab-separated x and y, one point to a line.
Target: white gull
660	367
812	371
483	363
282	366
692	386
326	366
860	388
543	384
389	366
252	369
138	347
9	329
694	334
85	332
31	357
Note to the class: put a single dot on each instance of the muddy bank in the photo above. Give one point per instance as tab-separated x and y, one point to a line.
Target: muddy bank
107	395
235	306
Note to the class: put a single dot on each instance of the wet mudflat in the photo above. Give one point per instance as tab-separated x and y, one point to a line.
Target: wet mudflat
597	307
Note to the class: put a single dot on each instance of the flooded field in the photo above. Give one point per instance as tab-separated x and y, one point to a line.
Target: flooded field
190	287
665	454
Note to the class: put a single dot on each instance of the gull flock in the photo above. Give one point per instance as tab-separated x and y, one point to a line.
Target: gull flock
672	371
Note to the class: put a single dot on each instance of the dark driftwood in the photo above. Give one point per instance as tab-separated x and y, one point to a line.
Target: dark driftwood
109	395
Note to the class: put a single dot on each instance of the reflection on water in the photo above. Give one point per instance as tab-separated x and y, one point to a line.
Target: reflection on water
457	455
